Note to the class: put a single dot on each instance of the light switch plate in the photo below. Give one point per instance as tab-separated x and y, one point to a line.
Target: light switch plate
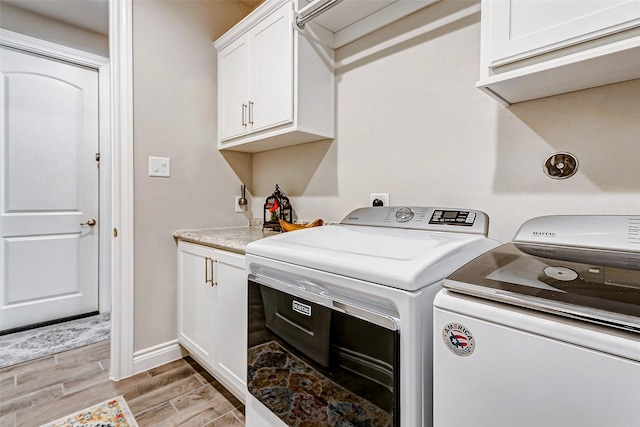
160	166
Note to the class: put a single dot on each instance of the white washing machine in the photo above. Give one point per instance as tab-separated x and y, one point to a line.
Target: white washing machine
545	330
340	316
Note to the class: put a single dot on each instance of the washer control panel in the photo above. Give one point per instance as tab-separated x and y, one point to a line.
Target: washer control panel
421	218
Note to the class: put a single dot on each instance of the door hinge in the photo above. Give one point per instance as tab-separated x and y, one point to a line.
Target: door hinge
115	232
97	157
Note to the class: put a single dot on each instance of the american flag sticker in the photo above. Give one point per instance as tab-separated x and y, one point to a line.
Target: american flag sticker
458	339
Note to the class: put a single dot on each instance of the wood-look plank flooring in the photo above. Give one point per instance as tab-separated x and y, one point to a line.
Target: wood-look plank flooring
179	393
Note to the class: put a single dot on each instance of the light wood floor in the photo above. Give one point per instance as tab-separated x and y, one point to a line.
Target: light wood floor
179	393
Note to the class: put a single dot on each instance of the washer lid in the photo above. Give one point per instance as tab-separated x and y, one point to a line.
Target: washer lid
581	266
602	286
611	232
407	259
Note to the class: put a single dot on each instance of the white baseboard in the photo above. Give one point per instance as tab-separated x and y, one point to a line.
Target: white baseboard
152	357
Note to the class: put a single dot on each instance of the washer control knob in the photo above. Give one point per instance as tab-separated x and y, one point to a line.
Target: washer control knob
404	214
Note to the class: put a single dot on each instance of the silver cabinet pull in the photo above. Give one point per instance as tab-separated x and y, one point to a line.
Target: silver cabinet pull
210	268
214	263
244	114
250	112
206	270
90	222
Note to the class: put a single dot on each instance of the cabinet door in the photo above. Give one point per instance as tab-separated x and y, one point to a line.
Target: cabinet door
231	320
272	71
233	88
196	298
524	28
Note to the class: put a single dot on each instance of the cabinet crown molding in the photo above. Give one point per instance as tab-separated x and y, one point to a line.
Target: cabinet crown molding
257	15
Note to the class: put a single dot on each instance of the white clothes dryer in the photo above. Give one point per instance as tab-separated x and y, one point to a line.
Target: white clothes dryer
340	316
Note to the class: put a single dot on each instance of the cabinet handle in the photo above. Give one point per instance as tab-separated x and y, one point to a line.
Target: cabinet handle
244	114
210	268
214	262
250	112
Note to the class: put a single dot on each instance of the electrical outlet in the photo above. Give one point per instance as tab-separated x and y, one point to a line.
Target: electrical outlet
383	197
240	208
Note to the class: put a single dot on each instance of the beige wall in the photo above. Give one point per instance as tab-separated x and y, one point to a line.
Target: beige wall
411	122
34	25
175	116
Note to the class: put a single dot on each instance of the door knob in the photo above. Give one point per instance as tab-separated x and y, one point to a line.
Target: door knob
91	222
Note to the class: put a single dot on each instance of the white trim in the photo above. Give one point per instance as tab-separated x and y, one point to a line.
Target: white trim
121	53
46	48
106	282
101	65
149	358
258	14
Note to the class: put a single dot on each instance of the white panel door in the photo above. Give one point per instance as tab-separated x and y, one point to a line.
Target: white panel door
49	187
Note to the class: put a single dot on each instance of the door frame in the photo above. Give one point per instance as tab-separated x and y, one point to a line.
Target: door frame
101	65
116	188
122	313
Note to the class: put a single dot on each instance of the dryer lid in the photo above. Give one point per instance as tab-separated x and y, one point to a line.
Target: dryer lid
401	257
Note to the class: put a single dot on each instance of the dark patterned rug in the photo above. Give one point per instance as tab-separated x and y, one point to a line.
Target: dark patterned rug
302	396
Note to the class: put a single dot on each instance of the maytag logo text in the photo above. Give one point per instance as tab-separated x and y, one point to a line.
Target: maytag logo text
301	308
544	234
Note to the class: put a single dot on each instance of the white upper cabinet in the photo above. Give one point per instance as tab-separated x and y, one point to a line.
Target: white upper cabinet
256	78
275	87
532	48
535	27
272	77
233	89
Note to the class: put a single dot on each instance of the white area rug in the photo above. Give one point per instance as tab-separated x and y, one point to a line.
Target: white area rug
110	413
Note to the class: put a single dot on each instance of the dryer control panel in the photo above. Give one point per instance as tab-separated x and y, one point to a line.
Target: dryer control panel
421	218
464	218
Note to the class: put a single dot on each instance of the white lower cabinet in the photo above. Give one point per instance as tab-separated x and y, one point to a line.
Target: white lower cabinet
212	312
230	317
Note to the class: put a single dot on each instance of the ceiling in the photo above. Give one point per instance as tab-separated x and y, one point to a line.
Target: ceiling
92	15
250	3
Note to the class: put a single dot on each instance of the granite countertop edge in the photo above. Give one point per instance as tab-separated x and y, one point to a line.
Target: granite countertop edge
233	239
